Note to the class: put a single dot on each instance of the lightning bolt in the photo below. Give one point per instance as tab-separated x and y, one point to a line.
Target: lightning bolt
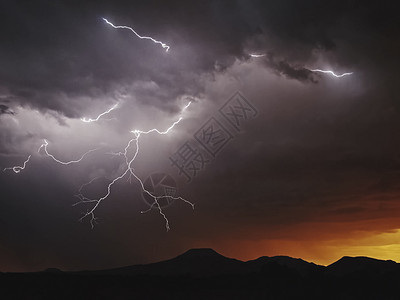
18	169
100	115
331	72
312	70
257	55
44	147
130	170
186	106
165	46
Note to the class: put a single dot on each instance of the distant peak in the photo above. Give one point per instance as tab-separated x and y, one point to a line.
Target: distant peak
347	262
364	258
198	252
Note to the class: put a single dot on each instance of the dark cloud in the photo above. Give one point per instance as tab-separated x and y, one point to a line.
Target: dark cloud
293	72
58	49
4	109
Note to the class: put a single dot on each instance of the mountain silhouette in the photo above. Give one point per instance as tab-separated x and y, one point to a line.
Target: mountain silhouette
301	266
208	262
352	265
206	274
195	262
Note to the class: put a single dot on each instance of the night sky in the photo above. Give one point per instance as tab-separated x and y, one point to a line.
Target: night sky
312	171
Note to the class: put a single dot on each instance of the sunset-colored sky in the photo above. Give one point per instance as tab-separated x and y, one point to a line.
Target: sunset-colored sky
321	249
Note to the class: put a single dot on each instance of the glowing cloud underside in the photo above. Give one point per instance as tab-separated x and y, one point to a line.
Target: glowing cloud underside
165	46
129	170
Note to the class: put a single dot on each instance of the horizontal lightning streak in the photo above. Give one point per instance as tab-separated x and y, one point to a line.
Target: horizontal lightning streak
139	132
312	70
331	72
257	55
165	46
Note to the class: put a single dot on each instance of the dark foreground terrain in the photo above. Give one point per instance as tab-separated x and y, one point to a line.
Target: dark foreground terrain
205	274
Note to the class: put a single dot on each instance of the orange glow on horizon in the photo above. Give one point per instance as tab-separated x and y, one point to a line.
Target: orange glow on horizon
380	245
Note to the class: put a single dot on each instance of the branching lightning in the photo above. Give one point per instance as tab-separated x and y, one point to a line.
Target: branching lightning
331	72
130	170
165	46
100	115
18	169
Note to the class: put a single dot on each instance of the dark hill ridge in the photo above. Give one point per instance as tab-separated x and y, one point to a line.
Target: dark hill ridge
206	274
194	262
201	252
301	266
206	261
202	262
348	265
